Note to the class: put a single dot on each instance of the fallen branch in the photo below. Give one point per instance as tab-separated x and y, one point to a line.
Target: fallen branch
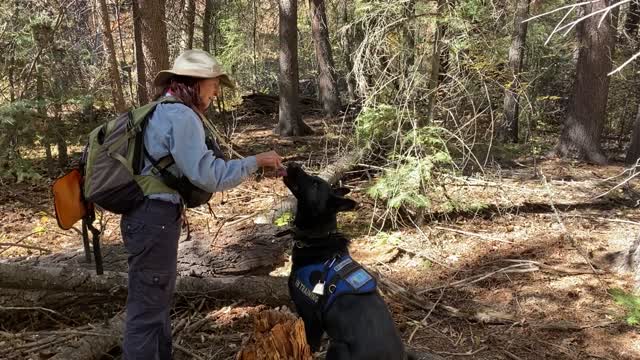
10	245
517	268
485	315
468	353
480	236
559	269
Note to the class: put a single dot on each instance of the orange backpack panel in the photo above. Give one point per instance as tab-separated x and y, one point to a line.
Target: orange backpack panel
67	199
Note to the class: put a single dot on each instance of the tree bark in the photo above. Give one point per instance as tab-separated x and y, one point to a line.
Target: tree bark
189	24
290	122
329	93
584	124
42	113
207	21
508	127
123	53
434	77
154	40
347	50
112	60
141	88
633	19
633	152
10	76
409	36
253	288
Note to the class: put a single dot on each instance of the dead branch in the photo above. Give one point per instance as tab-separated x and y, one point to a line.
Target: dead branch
10	245
480	236
483	315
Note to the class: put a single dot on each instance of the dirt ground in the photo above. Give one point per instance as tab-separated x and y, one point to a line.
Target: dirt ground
520	242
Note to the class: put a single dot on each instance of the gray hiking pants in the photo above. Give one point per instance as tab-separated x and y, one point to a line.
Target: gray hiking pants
150	235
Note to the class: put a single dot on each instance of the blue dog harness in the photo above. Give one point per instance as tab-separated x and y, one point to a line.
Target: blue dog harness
321	284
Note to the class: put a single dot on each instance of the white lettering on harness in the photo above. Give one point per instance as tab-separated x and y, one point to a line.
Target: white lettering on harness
342	264
306	291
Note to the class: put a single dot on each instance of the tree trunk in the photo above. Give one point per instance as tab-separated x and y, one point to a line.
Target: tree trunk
347	50
154	40
409	36
10	75
63	154
633	19
329	93
585	119
290	122
123	53
60	132
141	88
112	60
42	113
633	153
444	57
189	24
508	127
207	22
435	65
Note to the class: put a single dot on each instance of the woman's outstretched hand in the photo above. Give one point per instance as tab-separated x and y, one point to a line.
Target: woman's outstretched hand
269	159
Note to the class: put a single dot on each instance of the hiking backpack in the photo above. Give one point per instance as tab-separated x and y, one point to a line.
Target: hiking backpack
110	175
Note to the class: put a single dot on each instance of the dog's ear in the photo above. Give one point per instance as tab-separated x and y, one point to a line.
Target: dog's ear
341	191
343	204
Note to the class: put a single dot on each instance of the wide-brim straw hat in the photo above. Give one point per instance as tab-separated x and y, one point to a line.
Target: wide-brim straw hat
194	63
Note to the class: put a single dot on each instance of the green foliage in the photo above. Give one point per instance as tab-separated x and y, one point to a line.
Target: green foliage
630	302
284	219
375	124
409	183
384	238
21	170
417	156
17	123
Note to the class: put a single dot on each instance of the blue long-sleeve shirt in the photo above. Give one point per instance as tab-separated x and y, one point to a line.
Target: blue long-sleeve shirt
177	130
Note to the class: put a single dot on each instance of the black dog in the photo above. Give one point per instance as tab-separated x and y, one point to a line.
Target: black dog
332	292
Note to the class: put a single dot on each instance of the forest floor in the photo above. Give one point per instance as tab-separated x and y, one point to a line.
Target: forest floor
520	240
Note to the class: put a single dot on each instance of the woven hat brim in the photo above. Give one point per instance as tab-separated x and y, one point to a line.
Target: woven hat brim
163	77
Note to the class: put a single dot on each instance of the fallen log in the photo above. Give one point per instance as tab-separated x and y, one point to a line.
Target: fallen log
265	289
332	173
239	249
94	347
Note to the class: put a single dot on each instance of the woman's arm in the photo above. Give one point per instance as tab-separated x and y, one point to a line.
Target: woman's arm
195	161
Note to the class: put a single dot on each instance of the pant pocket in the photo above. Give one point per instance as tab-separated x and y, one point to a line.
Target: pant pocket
133	236
154	289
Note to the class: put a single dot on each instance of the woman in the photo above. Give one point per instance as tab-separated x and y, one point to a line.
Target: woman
151	232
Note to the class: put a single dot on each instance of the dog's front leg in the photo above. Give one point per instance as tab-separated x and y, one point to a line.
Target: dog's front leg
314	331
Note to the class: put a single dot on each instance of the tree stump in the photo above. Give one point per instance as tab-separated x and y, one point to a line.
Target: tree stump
277	335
